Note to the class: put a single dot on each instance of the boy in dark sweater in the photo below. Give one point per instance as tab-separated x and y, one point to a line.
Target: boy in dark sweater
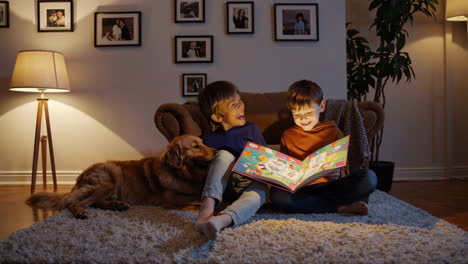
220	102
330	194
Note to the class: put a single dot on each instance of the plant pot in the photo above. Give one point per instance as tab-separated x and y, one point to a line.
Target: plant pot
384	171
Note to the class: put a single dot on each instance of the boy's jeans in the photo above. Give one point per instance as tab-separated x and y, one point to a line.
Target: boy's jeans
327	197
217	180
219	174
318	198
248	203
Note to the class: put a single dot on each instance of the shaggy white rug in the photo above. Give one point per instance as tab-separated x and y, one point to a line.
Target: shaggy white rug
394	232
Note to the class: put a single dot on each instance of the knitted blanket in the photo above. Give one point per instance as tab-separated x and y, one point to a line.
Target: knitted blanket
347	116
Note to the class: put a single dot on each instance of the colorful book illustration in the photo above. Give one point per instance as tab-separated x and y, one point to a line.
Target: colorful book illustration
282	171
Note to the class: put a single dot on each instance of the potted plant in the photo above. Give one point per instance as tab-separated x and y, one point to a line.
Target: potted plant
387	62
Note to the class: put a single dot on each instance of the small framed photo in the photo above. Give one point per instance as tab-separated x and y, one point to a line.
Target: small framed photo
193	49
189	11
296	22
4	14
117	29
54	15
240	17
192	83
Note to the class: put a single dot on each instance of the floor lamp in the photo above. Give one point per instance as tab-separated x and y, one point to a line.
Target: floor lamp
41	72
457	10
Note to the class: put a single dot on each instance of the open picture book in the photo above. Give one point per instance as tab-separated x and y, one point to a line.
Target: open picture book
282	171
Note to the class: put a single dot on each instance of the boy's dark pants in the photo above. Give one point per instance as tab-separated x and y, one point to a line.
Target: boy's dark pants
327	197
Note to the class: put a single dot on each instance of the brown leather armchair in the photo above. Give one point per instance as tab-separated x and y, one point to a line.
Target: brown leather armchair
269	112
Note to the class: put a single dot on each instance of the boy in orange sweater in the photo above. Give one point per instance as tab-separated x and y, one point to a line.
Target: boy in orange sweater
330	194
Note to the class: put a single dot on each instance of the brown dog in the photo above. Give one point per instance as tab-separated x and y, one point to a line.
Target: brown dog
174	179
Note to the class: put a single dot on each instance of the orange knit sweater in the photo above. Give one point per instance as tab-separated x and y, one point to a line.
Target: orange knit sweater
298	143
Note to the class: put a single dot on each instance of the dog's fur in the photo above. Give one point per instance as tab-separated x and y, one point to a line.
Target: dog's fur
175	179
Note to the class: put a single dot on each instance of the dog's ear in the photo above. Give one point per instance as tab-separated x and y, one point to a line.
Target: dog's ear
173	155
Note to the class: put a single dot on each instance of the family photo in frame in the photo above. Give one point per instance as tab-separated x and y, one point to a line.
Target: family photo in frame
189	11
117	29
192	83
240	17
193	49
296	22
4	14
54	16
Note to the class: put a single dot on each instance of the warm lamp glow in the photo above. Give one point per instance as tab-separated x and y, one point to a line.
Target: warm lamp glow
40	71
456	10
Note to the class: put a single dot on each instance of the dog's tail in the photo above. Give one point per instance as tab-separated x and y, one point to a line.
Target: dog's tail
44	200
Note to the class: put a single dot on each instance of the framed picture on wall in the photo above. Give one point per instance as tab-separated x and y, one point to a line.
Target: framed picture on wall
193	49
240	17
117	29
54	15
4	14
189	11
296	22
192	83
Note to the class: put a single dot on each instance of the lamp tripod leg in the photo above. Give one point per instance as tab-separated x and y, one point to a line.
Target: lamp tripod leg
36	145
51	146
44	162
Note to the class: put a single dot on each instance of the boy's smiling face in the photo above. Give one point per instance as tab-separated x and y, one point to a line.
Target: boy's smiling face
307	117
231	113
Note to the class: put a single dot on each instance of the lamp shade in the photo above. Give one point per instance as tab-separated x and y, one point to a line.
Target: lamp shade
40	71
456	10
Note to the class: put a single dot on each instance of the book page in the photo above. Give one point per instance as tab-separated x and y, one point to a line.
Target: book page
324	161
265	164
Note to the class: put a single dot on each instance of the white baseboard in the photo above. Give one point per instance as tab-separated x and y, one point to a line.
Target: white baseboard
430	173
24	177
420	174
401	174
459	172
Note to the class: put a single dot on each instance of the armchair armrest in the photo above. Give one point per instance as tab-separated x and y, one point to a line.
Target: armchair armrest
174	119
373	117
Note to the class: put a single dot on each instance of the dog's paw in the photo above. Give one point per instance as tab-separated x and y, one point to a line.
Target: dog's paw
121	206
81	216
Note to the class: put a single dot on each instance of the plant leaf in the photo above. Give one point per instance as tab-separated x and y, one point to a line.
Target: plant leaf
352	32
374	4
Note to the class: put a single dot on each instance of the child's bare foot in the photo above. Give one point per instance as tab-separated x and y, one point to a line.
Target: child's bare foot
359	208
207	228
213	225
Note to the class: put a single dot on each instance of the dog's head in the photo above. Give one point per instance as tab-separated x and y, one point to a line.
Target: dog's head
187	150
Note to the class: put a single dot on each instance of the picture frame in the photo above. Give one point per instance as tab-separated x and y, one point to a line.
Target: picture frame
4	14
193	49
113	29
296	22
193	83
240	17
189	11
55	16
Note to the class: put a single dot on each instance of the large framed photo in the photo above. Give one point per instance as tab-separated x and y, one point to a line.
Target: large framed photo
117	29
296	22
192	83
54	15
189	11
240	17
4	14
193	49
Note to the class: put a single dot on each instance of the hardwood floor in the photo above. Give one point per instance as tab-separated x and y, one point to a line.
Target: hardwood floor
16	214
444	199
